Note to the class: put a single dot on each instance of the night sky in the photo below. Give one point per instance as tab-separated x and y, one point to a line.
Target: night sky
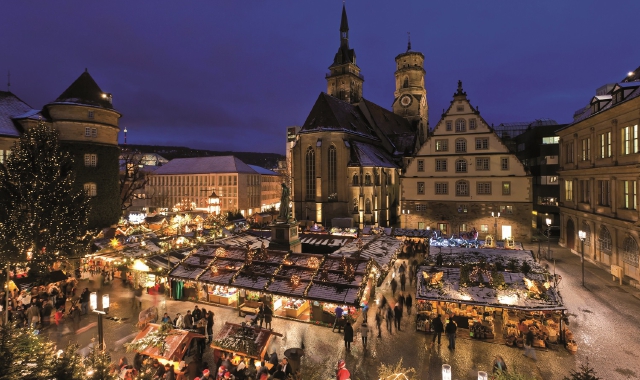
232	75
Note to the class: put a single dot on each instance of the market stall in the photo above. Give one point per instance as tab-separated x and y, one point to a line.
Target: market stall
243	342
494	297
168	346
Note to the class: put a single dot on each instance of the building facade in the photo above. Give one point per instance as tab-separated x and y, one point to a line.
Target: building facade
185	184
538	150
346	158
461	175
270	188
88	129
599	158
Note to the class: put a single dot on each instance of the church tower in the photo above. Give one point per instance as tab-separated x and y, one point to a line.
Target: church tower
344	80
410	97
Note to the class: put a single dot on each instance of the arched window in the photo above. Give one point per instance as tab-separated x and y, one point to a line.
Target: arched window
355	205
333	172
367	179
461	146
461	125
355	180
462	188
367	206
461	166
587	230
630	251
310	163
406	83
604	240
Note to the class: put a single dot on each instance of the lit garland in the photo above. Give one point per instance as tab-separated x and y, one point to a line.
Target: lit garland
221	252
313	263
295	281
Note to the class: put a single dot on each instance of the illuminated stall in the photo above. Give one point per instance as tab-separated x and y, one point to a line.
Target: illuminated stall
171	350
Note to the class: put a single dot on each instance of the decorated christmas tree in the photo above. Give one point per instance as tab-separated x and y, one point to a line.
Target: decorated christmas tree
43	217
25	355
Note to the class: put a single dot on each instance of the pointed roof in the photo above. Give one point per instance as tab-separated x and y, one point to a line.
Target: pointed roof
10	107
85	91
344	24
329	113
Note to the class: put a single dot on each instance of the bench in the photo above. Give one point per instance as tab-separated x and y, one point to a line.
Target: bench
249	307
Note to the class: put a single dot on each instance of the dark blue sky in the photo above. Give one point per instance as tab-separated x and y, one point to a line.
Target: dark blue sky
233	74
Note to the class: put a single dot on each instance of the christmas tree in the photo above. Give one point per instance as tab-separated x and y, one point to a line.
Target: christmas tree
25	355
42	216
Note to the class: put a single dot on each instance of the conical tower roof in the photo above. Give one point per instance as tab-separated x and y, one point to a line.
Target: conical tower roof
85	90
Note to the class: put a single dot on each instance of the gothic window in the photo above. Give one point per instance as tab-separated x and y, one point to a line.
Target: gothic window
355	205
461	125
333	172
461	166
367	206
367	179
310	179
587	230
461	146
355	180
604	240
630	251
462	188
406	82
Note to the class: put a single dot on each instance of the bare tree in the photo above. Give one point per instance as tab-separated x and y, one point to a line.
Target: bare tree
133	177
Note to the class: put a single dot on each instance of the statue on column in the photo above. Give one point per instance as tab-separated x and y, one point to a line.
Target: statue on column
284	204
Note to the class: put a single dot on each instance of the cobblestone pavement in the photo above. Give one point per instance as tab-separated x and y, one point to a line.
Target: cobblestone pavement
603	317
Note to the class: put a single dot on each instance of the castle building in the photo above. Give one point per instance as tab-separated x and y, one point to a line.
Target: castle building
347	156
599	158
88	128
463	177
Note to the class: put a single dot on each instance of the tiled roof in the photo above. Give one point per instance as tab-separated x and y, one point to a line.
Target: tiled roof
10	106
394	127
329	113
369	155
205	165
586	113
85	91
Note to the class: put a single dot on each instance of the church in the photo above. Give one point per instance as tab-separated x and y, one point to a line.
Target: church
348	155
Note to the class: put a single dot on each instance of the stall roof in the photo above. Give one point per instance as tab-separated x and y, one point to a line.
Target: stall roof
231	330
176	343
515	296
381	248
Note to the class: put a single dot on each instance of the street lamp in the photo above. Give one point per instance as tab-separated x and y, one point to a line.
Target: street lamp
582	235
214	203
548	220
495	223
446	372
93	300
482	375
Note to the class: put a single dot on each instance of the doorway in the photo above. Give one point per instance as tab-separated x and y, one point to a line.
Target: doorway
506	232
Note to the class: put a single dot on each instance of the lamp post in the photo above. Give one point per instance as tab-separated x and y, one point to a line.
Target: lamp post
93	302
495	223
446	372
582	235
548	220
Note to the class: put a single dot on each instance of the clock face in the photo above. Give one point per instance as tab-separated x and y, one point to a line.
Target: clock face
405	100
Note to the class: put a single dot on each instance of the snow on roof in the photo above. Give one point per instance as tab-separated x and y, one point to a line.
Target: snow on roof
205	165
262	170
369	155
381	248
10	106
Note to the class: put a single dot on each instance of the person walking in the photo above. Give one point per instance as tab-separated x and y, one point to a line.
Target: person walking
338	321
438	328
408	302
84	301
33	315
261	314
397	312
348	335
379	323
529	351
403	281
401	301
75	316
268	316
364	333
58	317
451	333
394	286
210	322
389	319
343	372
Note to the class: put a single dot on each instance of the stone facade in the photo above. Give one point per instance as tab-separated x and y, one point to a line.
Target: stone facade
599	157
462	174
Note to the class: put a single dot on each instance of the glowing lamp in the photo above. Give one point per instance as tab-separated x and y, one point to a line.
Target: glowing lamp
258	365
548	220
105	301
582	235
446	372
93	300
482	375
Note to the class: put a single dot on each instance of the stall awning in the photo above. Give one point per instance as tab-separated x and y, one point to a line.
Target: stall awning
176	343
29	282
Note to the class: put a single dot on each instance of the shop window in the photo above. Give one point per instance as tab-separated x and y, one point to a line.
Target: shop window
462	209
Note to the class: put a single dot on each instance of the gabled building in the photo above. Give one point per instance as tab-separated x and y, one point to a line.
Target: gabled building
87	123
599	158
461	175
347	156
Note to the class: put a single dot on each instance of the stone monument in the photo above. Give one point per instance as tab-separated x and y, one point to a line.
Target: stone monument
284	231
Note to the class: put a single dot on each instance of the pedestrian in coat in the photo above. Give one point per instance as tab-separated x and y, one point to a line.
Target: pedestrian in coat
450	329
379	323
403	281
210	322
389	319
408	302
268	316
348	335
84	301
188	320
401	300
397	312
529	351
33	315
438	328
75	316
394	286
364	333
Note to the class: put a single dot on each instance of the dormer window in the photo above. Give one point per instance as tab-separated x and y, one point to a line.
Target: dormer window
618	96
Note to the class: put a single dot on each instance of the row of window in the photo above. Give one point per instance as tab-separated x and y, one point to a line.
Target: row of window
462	188
200	180
482	164
463	209
630	251
628	193
482	143
628	145
367	179
461	124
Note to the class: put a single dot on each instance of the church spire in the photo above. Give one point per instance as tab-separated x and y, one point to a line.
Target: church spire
344	26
